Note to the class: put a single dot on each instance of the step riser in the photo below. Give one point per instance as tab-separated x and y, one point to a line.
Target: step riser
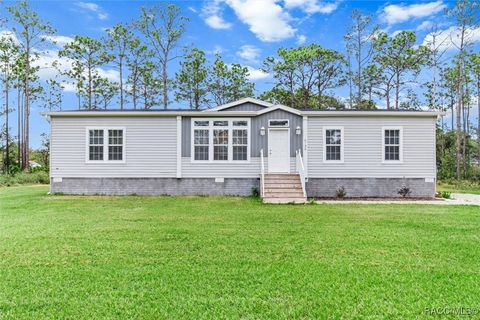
284	195
285	200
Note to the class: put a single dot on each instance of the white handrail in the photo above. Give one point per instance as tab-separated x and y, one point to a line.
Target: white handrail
300	170
262	174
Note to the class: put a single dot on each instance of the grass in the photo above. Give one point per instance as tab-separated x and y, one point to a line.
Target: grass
459	186
231	258
21	178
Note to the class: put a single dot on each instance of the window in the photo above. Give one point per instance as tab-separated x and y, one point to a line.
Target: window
220	145
240	144
333	144
278	123
201	144
392	150
105	144
220	140
115	145
95	148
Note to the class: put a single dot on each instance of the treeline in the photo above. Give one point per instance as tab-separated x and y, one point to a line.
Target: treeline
376	68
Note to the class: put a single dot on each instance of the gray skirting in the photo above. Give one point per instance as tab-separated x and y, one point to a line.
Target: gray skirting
155	186
369	187
316	187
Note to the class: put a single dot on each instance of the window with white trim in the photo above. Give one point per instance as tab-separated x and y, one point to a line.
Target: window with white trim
220	140
105	144
392	144
333	144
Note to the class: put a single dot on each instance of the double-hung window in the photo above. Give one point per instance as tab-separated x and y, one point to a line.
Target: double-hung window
333	151
220	140
105	145
392	144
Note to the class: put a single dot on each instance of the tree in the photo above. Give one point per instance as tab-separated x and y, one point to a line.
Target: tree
104	91
162	26
8	57
150	86
119	42
306	72
191	81
359	39
136	59
52	95
465	13
87	55
228	83
398	57
30	31
474	66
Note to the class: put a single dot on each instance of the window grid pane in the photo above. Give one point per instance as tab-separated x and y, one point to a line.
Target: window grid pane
95	148
392	145
201	141
220	144
115	145
333	144
240	143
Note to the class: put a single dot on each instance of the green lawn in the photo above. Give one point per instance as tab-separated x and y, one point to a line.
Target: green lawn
212	258
460	186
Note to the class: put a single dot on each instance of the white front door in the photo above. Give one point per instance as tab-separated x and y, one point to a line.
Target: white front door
278	150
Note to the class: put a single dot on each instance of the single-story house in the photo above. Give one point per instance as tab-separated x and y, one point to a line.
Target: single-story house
286	154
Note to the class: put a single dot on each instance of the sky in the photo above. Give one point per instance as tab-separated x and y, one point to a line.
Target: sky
243	31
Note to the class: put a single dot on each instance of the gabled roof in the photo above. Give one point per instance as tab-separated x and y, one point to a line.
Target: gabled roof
240	102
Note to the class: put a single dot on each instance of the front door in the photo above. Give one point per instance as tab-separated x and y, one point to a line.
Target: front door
278	150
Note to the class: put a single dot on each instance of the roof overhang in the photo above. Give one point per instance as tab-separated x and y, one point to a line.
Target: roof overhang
239	102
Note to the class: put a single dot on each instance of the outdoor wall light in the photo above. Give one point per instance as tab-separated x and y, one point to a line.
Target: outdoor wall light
262	131
298	131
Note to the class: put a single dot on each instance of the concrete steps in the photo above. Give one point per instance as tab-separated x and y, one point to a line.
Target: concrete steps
283	188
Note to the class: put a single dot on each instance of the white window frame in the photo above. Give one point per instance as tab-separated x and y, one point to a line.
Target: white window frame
400	149
105	145
284	126
324	143
210	129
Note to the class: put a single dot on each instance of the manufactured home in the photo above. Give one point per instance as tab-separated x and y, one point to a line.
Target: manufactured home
286	154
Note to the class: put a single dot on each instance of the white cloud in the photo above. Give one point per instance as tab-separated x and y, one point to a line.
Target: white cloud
256	74
59	40
212	15
249	53
449	39
301	39
266	19
425	25
312	6
94	8
400	13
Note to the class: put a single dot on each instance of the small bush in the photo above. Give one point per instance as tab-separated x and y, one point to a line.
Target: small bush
445	194
341	192
255	192
404	191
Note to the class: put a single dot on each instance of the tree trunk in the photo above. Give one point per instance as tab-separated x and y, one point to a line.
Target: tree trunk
121	83
89	87
397	90
27	108
7	151
458	154
387	95
478	121
165	84
19	127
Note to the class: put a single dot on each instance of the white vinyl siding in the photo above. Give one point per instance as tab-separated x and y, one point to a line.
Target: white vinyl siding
363	147
240	169
150	147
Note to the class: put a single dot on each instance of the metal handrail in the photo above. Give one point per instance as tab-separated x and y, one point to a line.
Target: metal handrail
262	174
300	170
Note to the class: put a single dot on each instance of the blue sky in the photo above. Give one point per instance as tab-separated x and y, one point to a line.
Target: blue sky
243	31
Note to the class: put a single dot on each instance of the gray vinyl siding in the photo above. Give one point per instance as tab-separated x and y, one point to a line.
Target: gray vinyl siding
251	169
258	142
363	148
248	106
151	147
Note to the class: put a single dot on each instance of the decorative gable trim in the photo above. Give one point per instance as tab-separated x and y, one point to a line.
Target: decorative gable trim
239	102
